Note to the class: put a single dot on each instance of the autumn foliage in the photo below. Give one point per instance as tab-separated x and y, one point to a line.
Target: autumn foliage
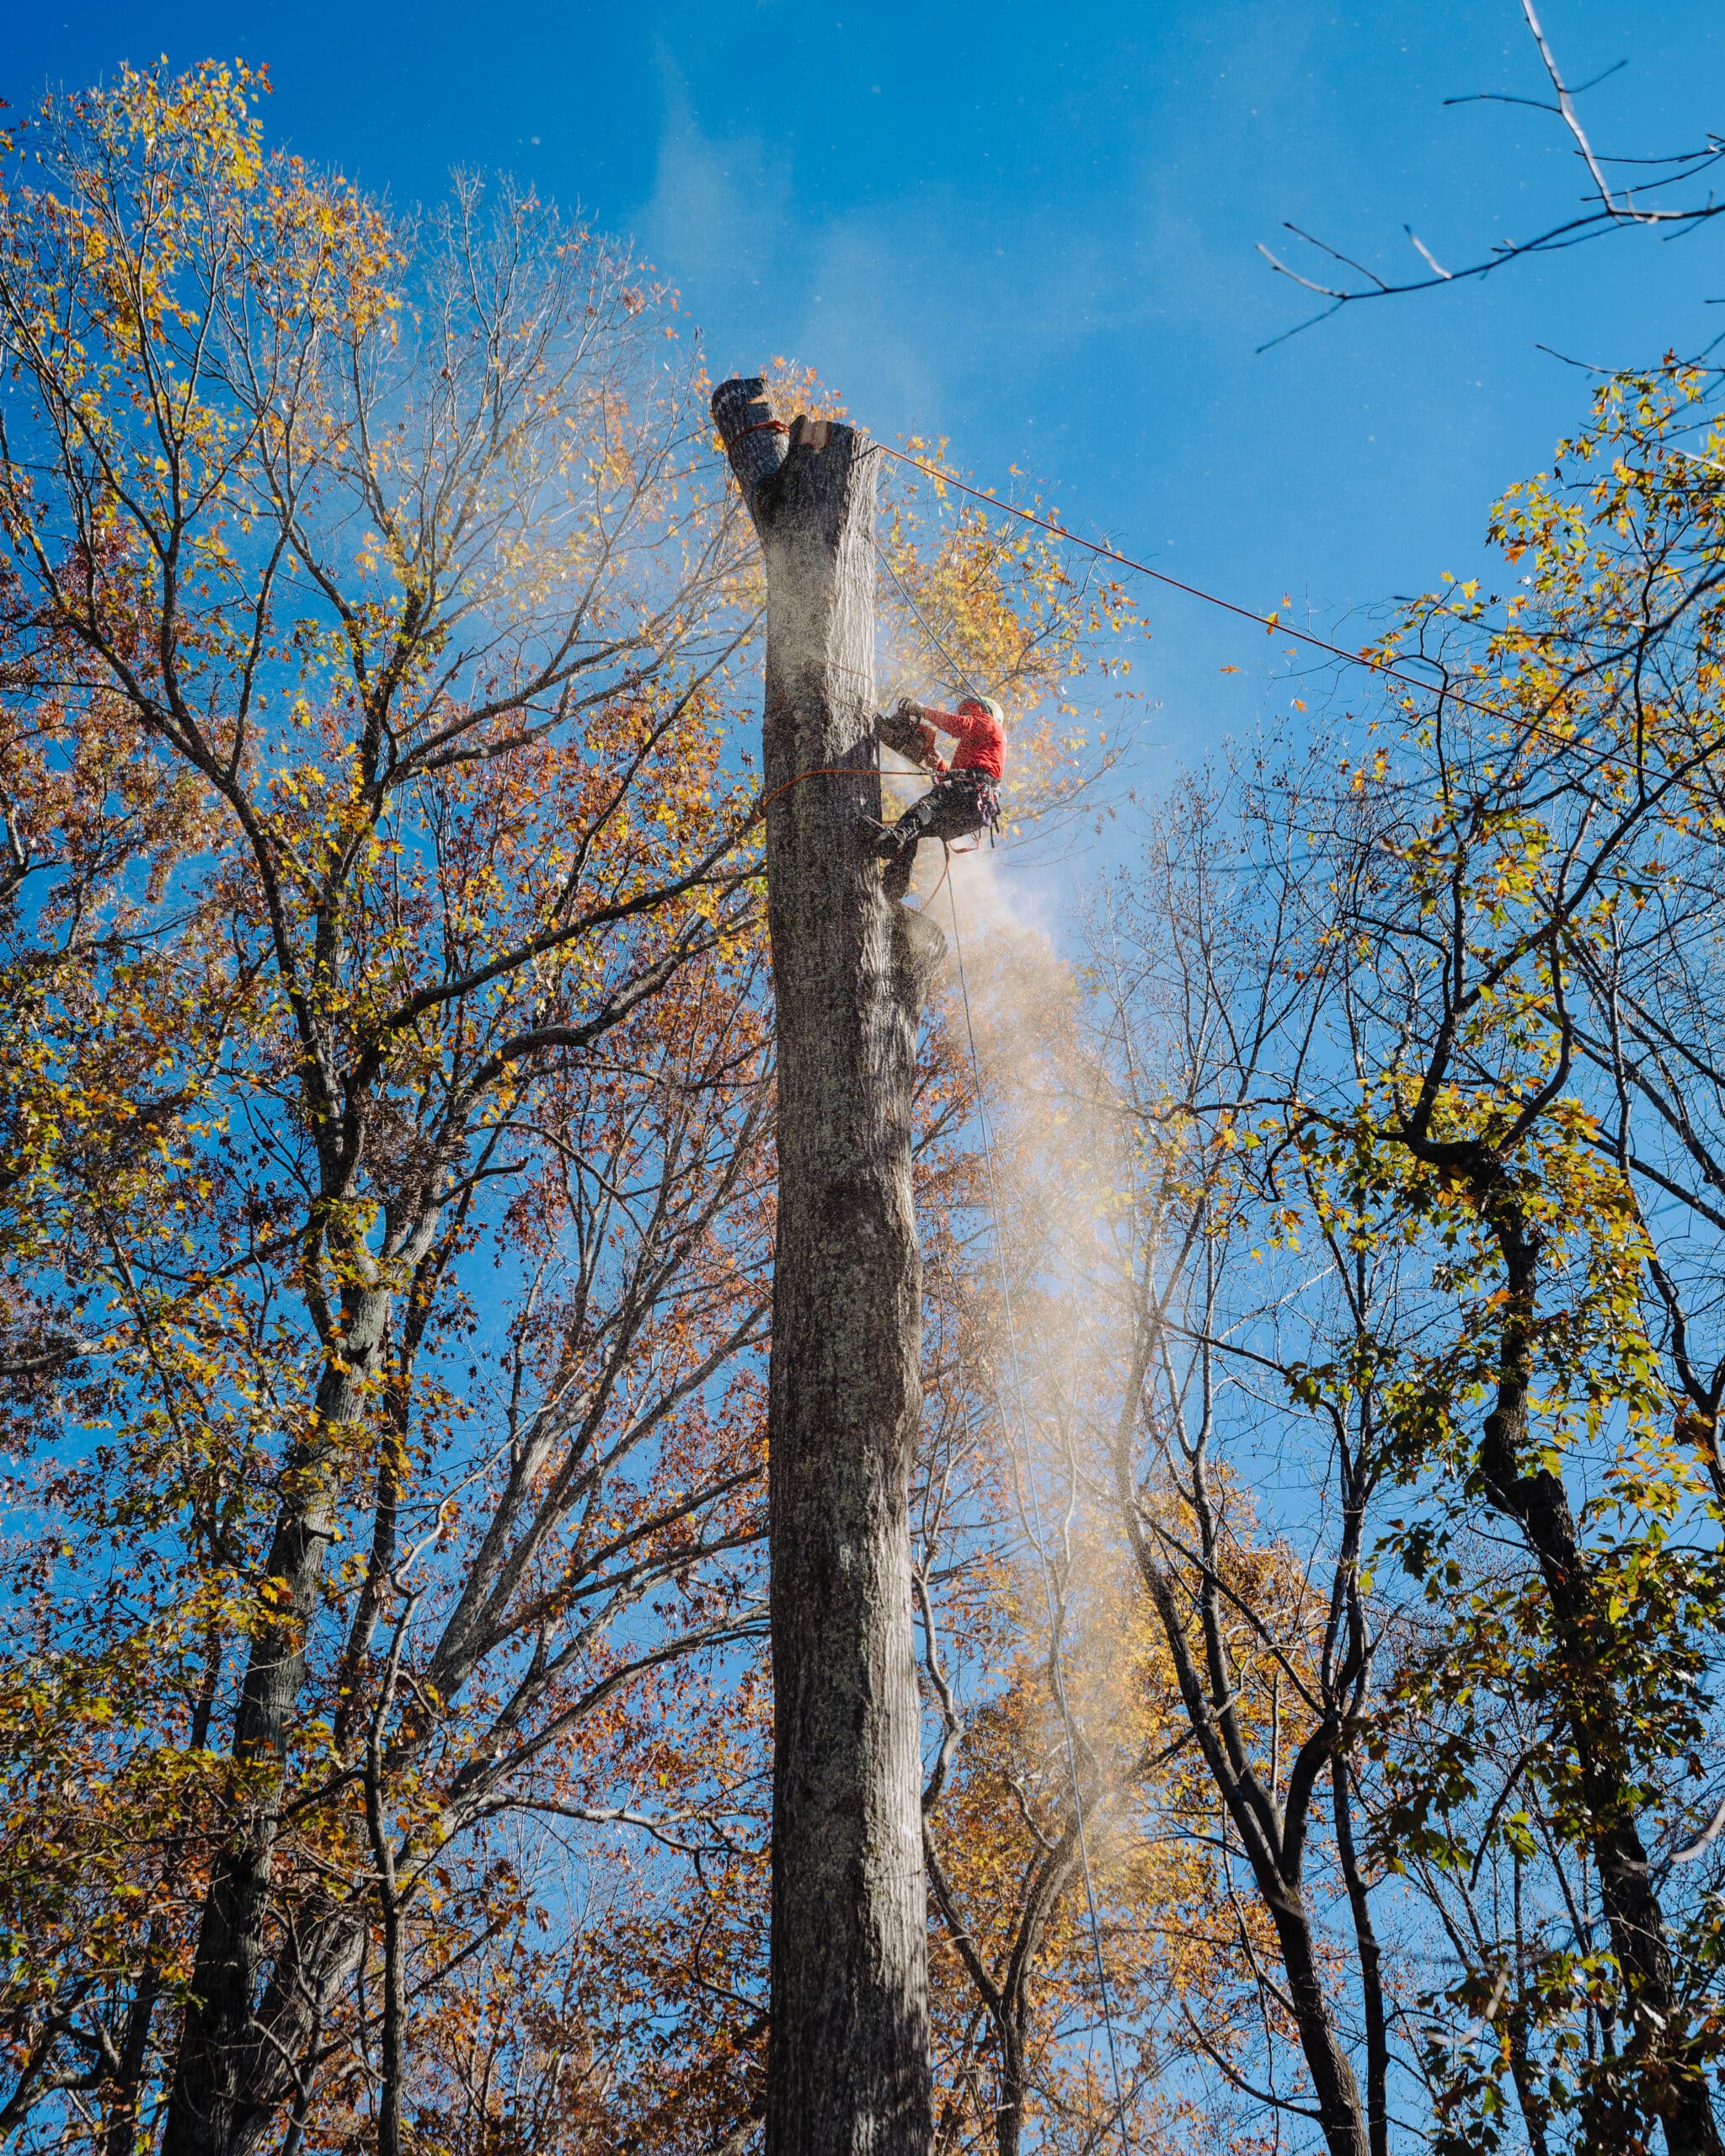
386	1157
1316	1523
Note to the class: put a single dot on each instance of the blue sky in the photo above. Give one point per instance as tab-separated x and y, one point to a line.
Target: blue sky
1030	228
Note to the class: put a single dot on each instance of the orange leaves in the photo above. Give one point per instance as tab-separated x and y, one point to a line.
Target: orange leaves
790	389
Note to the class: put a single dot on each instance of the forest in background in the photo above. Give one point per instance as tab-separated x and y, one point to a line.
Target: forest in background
1316	1523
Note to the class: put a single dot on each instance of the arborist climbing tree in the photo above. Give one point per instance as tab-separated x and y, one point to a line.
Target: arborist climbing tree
847	2058
967	797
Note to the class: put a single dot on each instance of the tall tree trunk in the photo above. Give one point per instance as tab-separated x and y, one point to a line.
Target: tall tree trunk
1272	1838
847	2062
1340	2111
1537	1501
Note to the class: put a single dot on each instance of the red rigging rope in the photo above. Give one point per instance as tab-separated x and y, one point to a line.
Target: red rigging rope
824	770
1272	622
837	770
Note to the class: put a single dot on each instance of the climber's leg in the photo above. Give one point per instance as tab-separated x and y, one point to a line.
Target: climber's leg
896	880
948	811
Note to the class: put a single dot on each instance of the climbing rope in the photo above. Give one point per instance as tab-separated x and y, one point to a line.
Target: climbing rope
959	675
1273	622
962	678
1023	1455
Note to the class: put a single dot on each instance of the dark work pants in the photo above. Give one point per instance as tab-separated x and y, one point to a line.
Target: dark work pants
952	809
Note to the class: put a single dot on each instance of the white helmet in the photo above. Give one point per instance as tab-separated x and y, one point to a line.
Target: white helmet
988	705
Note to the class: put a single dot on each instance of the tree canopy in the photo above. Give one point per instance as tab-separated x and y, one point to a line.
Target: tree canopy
1316	1560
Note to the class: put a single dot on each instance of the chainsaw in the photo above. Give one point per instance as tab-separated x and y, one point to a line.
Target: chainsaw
907	734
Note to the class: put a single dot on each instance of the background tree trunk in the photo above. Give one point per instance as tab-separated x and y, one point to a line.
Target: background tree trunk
847	2067
211	2110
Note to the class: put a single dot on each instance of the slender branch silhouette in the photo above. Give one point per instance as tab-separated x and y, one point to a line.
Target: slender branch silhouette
1606	207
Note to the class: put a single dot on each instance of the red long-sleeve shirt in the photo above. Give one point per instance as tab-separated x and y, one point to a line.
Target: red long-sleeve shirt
982	743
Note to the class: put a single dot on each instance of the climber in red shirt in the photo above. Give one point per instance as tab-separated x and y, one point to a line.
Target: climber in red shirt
966	796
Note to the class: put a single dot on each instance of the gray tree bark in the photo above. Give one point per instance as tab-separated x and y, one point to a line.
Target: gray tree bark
847	2062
